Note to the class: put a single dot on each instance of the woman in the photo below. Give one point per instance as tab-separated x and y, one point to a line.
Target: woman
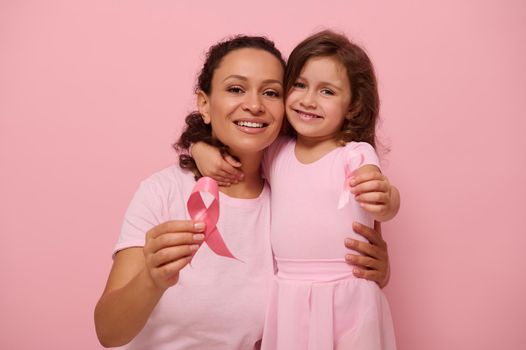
153	299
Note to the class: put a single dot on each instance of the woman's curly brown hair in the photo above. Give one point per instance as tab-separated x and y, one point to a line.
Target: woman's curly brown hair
196	130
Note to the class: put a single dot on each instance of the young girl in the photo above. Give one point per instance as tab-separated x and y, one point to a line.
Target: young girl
332	107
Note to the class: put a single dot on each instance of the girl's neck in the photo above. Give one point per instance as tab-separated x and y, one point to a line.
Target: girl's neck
253	183
310	149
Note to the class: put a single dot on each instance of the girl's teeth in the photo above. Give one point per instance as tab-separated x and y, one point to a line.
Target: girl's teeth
250	124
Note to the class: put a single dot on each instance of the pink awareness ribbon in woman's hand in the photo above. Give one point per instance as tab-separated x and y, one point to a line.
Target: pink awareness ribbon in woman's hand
199	212
353	160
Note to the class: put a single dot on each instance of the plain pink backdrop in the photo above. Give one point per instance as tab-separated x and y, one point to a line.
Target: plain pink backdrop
92	93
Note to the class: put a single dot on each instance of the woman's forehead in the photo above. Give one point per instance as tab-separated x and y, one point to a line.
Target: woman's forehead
249	64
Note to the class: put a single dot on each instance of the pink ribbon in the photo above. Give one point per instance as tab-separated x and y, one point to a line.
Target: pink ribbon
199	212
353	160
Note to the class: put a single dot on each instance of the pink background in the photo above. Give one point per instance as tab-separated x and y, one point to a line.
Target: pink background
92	93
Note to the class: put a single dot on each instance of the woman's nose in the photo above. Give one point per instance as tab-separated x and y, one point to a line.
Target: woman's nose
253	103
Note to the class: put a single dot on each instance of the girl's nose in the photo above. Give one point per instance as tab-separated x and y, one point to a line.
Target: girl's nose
308	100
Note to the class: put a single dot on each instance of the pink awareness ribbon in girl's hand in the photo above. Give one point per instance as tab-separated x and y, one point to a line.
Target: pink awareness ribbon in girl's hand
199	212
353	160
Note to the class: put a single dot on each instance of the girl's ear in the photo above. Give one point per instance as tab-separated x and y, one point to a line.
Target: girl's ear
203	105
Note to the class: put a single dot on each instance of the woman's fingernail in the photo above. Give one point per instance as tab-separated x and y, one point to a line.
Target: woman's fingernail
199	226
350	242
194	247
352	181
357	272
350	257
199	237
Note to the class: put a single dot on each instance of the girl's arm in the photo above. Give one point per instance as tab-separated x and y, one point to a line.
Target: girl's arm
374	192
210	162
140	276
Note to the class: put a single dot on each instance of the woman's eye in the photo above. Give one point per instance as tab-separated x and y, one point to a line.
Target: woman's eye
327	92
235	90
299	85
271	93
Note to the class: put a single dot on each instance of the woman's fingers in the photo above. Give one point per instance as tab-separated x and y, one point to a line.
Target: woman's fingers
171	254
169	273
174	239
175	226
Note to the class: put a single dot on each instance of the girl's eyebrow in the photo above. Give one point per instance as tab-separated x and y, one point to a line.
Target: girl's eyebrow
241	77
337	87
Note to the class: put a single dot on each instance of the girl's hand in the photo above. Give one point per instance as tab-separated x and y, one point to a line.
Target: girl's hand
373	265
169	247
374	193
211	163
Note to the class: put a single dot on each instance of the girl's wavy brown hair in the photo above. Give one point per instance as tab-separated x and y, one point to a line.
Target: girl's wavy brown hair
365	103
196	130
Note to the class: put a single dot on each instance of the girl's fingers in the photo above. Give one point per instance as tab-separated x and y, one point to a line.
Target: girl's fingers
376	209
230	160
363	176
224	175
370	186
229	170
373	198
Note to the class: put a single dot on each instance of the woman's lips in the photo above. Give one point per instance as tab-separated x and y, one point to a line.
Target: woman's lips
251	127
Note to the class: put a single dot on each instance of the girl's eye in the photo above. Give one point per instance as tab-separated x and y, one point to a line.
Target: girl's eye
327	92
235	90
271	93
299	85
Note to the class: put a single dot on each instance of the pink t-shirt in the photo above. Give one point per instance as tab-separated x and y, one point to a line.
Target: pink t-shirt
218	303
306	221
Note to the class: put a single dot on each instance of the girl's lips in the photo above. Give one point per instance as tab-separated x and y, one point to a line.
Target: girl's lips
307	116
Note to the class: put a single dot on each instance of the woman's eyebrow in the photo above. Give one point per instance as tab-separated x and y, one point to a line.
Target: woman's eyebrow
241	77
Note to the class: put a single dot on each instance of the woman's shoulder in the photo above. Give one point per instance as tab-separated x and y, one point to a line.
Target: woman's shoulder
168	179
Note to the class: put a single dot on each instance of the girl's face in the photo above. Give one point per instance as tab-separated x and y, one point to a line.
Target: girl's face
319	100
245	106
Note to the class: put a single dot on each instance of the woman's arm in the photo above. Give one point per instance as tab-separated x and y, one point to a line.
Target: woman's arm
373	264
140	276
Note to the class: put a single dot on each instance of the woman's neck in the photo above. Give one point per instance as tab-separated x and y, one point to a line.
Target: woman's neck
253	183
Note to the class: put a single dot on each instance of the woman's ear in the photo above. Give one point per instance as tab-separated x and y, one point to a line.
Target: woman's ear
203	105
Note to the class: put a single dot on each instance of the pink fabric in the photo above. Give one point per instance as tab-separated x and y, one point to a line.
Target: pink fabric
218	303
316	302
208	214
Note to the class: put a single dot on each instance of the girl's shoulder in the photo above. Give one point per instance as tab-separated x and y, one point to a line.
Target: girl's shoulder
357	154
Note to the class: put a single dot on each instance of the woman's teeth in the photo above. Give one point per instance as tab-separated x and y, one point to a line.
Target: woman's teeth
250	124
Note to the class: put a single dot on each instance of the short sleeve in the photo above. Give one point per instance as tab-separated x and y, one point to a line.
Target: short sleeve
270	155
358	154
145	211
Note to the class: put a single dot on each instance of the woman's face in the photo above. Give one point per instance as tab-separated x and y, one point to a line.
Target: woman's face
245	105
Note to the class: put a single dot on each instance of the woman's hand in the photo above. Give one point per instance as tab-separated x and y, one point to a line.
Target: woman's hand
212	163
373	265
374	193
169	247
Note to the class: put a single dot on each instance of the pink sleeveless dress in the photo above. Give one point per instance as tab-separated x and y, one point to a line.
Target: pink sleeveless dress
316	303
